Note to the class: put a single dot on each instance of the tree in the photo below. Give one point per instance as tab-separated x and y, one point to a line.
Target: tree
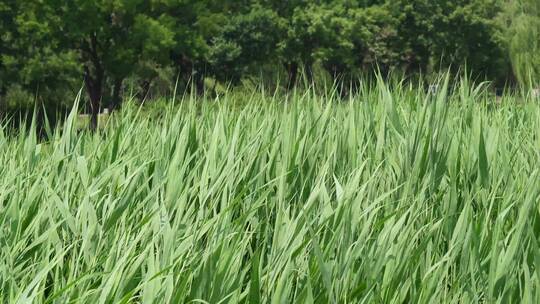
33	62
111	38
298	44
450	34
521	21
477	46
249	39
51	47
417	24
377	45
191	23
344	36
6	29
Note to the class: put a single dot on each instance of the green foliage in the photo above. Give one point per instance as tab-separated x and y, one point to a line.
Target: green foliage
248	39
33	59
52	47
125	33
394	197
478	43
447	33
522	23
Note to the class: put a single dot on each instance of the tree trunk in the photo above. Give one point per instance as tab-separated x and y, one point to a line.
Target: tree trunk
185	69
94	86
2	106
337	74
198	81
292	74
116	100
308	70
145	89
93	78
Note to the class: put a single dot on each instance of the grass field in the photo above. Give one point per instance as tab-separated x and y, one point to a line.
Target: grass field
393	196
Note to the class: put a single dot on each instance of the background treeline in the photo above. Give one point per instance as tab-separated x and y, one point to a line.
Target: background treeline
50	49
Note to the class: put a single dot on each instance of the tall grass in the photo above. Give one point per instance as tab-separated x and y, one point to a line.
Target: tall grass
394	196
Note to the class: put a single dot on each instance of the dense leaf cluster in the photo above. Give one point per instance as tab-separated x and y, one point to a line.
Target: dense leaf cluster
50	48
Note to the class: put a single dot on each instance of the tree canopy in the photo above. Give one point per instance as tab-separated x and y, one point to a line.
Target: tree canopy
521	21
54	47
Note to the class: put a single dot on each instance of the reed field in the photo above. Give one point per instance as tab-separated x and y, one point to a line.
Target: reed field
391	195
